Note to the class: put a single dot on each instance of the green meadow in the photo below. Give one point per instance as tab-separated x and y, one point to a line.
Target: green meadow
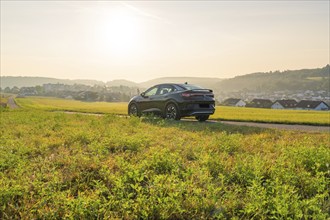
55	165
221	113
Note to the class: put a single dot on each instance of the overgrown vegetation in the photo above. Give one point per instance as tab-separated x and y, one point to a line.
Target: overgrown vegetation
56	165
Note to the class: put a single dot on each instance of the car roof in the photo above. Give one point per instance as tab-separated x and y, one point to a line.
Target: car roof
161	84
174	84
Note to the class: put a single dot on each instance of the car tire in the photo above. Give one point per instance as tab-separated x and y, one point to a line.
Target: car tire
172	112
133	110
202	118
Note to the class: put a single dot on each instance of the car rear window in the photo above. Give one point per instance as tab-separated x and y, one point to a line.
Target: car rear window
190	87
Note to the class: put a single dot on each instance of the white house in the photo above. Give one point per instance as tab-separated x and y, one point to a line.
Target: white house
234	102
277	105
312	105
284	104
240	103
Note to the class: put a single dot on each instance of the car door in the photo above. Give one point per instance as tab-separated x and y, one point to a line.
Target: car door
162	96
147	97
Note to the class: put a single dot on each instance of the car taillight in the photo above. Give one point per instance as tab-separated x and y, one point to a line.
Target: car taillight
186	94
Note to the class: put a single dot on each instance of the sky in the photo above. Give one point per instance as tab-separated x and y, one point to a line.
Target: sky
143	40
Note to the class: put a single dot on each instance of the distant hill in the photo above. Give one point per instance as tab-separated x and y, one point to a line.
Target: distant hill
122	82
292	80
27	81
201	81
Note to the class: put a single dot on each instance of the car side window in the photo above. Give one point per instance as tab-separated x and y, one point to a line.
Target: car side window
178	88
151	91
166	89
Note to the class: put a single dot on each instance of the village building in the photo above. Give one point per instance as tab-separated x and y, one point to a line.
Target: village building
284	104
312	105
234	102
49	87
260	103
328	103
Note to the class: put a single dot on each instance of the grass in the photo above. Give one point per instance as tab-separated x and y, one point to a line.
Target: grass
221	113
55	165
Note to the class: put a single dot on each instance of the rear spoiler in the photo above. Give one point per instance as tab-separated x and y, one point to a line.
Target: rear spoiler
202	90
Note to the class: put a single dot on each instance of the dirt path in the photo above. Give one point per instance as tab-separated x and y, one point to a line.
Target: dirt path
311	128
308	128
11	103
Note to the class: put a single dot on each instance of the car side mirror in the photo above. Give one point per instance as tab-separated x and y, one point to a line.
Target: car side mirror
143	94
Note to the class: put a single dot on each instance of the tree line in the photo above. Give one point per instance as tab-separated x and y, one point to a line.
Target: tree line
77	92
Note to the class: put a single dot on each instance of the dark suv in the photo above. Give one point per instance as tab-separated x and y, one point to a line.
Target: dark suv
174	101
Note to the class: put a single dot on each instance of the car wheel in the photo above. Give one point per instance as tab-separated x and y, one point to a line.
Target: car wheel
172	112
202	117
133	110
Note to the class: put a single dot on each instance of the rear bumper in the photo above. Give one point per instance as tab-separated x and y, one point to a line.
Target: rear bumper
197	108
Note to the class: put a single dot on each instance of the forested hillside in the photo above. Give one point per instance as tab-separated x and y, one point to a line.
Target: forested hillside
292	80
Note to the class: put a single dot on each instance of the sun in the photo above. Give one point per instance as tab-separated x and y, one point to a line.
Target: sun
120	32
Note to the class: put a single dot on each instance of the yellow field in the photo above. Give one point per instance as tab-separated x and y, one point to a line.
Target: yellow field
221	113
272	115
56	104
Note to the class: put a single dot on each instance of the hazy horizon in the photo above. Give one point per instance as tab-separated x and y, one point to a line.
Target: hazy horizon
116	79
149	79
139	41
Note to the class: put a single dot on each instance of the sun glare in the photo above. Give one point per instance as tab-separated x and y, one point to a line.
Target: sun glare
120	33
